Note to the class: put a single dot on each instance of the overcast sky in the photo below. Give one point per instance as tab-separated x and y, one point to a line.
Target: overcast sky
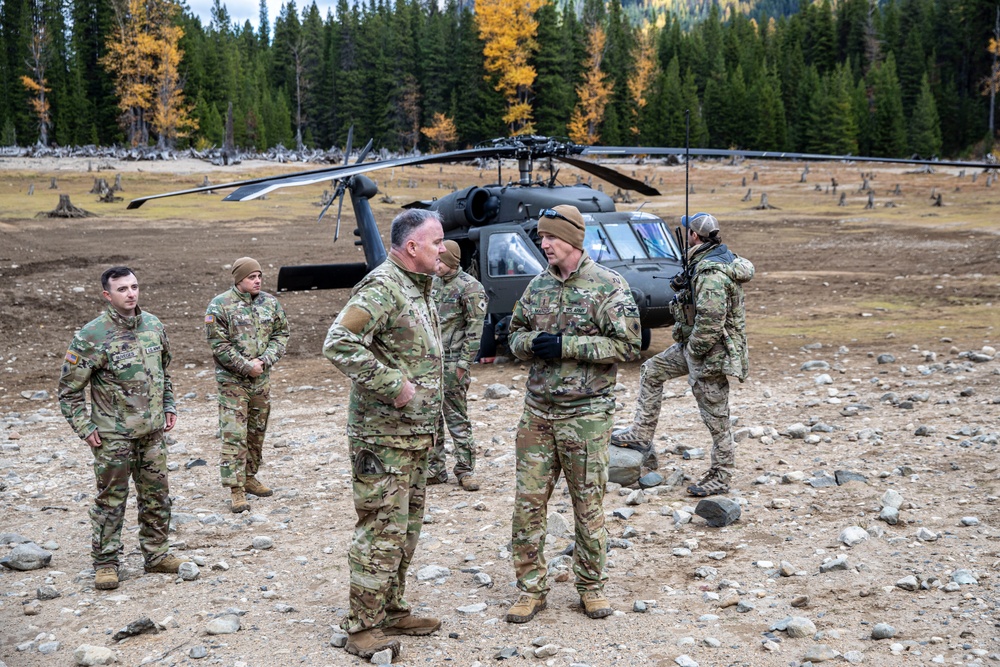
249	10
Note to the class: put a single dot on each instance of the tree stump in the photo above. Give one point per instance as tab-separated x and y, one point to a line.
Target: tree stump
871	200
763	205
744	181
937	200
52	184
100	187
109	197
755	177
65	209
897	191
834	184
746	197
843	199
118	184
31	189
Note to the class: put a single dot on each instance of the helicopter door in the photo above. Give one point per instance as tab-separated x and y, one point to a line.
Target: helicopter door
508	260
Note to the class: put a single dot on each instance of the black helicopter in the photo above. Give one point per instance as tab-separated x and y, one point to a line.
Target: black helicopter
496	225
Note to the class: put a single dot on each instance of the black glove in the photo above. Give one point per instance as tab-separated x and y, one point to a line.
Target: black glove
678	282
547	346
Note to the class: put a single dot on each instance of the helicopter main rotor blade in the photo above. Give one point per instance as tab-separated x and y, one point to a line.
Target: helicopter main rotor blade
350	143
611	176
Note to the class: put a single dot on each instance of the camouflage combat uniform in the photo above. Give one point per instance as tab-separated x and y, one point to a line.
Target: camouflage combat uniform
385	335
124	359
461	304
713	348
569	405
241	328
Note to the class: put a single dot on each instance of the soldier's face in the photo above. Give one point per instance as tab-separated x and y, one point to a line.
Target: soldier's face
425	246
251	284
443	269
560	254
123	294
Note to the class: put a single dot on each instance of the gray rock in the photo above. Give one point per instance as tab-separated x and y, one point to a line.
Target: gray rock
890	515
338	640
557	525
262	542
137	627
820	653
639	607
885	359
815	365
650	479
47	593
546	651
854	657
800	626
283	608
822	481
48	648
623	513
883	631
834	565
635	498
969	521
383	657
197	652
797	431
744	606
477	608
624	465
719	511
482	579
223	625
853	535
35	395
963	578
26	556
693	454
13	538
432	572
925	534
31	608
908	583
85	654
188	571
685	661
496	391
845	476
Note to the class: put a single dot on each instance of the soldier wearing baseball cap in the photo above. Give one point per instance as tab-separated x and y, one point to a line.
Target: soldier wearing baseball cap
707	351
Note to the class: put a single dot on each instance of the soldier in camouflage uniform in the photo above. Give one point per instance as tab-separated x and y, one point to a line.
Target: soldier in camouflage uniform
123	355
247	331
387	341
714	347
575	322
461	304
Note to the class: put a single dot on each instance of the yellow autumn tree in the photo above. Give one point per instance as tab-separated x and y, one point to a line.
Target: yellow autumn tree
36	84
644	74
142	58
592	94
441	133
508	31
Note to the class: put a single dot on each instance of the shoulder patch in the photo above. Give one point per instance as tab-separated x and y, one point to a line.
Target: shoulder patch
72	357
209	318
354	319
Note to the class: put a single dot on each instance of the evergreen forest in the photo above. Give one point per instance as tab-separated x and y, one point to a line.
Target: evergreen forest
868	77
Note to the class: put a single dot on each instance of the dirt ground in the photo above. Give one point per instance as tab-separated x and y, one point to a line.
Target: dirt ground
842	284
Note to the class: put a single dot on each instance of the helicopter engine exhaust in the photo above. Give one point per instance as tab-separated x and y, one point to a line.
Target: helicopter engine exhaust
472	207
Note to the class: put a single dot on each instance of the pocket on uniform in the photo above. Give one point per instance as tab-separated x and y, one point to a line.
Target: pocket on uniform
372	483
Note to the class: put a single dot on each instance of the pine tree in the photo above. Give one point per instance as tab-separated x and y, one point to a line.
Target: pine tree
925	128
888	122
554	92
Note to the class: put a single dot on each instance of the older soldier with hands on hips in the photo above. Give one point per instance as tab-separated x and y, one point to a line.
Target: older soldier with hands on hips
247	331
575	322
123	355
387	341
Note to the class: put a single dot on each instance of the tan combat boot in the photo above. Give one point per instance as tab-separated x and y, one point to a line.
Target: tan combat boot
255	487
469	482
169	564
415	626
525	609
595	605
367	643
239	501
106	578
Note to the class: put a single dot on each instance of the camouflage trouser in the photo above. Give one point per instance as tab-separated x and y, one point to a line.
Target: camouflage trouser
389	489
710	391
145	461
455	414
243	412
578	447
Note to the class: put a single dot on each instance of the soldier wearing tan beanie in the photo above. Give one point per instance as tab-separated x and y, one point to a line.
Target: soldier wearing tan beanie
563	222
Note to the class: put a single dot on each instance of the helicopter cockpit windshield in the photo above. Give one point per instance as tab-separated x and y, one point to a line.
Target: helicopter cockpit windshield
510	256
644	236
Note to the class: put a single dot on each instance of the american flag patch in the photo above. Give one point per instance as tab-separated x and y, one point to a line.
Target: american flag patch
209	319
72	357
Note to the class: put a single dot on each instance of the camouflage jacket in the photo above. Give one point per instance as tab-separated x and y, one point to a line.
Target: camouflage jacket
386	334
594	311
124	359
461	304
241	328
719	332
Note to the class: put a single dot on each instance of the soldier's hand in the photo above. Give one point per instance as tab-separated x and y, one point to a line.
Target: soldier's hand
460	373
547	346
406	395
258	368
94	439
171	419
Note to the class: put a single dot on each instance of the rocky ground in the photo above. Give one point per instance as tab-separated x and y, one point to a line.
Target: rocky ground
868	483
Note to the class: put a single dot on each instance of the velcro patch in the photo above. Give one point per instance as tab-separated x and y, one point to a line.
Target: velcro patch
209	318
72	357
153	348
354	319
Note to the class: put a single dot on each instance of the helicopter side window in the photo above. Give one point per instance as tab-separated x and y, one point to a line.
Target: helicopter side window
509	256
621	235
656	240
596	243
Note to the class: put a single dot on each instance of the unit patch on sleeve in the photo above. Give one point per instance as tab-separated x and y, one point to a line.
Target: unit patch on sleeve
72	357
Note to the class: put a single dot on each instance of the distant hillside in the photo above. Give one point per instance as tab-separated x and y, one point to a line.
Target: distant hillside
693	11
